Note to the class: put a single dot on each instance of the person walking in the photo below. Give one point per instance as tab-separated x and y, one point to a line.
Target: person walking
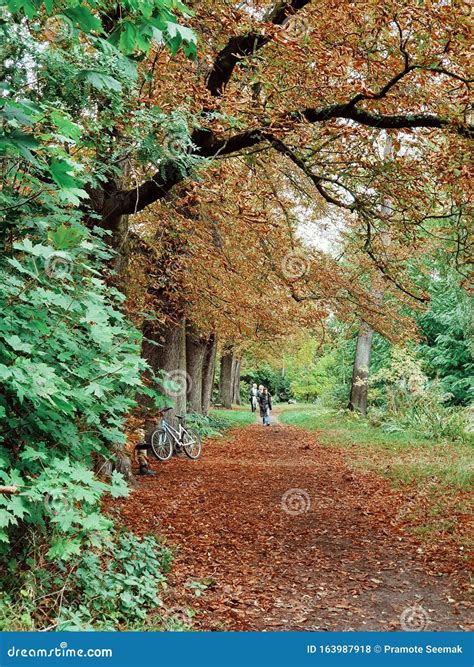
253	397
265	402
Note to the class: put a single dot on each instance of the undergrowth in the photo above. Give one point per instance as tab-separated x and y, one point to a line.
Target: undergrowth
220	420
118	587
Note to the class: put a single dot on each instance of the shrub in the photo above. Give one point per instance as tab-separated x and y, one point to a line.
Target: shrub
412	401
206	425
218	421
112	588
69	369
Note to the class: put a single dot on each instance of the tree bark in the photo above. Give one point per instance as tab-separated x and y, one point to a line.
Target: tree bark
195	352
208	370
360	373
164	347
236	382
226	386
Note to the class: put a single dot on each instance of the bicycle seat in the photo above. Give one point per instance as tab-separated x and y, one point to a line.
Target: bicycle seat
180	417
165	409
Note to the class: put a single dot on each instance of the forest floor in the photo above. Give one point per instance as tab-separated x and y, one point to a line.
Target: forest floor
274	531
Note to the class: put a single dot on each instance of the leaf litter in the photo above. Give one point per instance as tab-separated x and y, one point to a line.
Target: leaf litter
273	531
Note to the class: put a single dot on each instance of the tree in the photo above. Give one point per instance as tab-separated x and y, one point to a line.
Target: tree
408	89
360	373
447	335
310	127
208	372
196	346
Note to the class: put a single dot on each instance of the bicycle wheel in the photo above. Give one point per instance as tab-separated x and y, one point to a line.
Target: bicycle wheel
161	444
192	443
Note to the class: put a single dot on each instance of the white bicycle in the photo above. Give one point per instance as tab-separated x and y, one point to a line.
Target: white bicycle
167	440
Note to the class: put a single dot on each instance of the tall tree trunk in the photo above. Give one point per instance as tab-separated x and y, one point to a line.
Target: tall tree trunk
236	382
121	244
164	347
164	344
360	372
195	352
234	366
226	386
208	370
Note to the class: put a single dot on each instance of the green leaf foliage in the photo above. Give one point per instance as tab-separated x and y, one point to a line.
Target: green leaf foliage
447	348
70	364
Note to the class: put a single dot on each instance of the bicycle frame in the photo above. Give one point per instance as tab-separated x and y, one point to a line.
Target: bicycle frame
176	434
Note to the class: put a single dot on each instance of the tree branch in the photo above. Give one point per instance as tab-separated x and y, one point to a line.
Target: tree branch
373	119
209	145
316	180
246	45
443	70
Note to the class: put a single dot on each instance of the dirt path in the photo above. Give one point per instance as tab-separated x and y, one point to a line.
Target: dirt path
285	537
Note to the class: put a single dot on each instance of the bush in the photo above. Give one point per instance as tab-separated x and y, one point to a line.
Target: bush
376	416
412	401
431	417
113	588
207	425
69	369
219	421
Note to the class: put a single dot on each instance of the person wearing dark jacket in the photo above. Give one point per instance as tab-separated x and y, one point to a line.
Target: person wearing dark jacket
265	402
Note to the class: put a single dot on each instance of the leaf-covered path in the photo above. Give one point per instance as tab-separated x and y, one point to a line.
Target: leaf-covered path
281	534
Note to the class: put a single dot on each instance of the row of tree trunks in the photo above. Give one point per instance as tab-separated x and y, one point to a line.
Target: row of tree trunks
185	359
173	347
229	384
200	368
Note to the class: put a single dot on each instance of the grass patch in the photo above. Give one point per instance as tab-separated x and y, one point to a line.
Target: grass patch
219	420
403	456
440	473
